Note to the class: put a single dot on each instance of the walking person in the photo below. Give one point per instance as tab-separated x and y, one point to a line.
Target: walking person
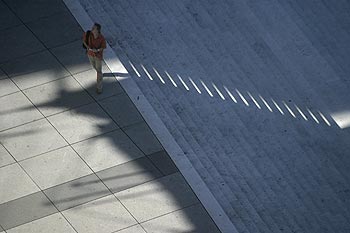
95	43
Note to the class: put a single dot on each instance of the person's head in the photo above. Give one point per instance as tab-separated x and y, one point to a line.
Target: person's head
96	28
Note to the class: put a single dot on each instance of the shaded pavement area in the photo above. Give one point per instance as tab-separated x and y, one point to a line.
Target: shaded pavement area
72	160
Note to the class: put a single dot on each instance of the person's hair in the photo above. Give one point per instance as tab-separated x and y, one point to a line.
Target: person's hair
98	26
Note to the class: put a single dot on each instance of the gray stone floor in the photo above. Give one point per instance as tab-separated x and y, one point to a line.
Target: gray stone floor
72	160
256	94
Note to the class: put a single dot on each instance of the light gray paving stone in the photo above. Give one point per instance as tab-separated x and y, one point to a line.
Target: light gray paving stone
129	174
77	192
20	111
58	96
106	214
163	162
18	46
24	210
133	229
122	110
8	17
157	197
190	219
7	87
28	11
15	182
57	29
56	167
5	157
82	123
73	57
52	223
107	150
34	69
144	138
31	139
110	85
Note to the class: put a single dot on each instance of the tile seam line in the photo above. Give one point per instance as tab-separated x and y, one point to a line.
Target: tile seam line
211	204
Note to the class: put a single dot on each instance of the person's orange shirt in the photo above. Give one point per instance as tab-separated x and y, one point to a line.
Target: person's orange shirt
95	43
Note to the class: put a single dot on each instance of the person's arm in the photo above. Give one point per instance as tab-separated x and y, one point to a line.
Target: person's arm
84	41
103	46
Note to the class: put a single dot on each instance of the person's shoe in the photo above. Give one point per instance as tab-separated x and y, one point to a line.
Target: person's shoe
99	91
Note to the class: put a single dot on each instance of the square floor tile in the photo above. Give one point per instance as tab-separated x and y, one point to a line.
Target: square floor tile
190	219
20	111
25	209
102	215
5	157
122	110
107	150
8	17
57	29
157	197
7	87
88	80
34	69
129	174
58	96
25	9
18	46
52	223
133	229
144	138
77	192
82	123
55	167
31	139
163	162
15	183
73	57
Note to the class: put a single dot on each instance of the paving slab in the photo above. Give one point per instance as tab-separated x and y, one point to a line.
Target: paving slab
129	174
82	123
31	139
88	80
73	57
157	197
18	46
133	229
7	18
20	111
144	138
52	223
122	110
57	29
15	182
107	150
77	192
24	210
28	11
163	162
5	157
58	96
190	219
106	214
34	69
55	167
7	87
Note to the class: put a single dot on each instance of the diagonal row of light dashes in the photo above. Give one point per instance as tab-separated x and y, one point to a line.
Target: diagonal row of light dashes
317	117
